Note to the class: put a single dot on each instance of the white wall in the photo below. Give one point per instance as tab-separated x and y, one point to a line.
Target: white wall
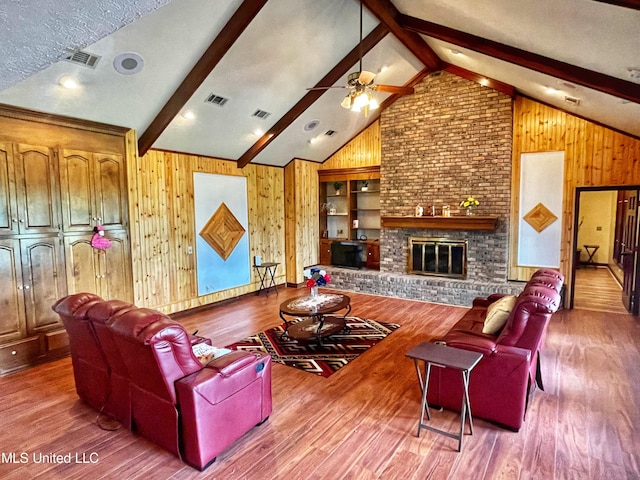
596	222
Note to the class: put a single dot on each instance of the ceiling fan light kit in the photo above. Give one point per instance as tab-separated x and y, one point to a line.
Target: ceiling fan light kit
360	96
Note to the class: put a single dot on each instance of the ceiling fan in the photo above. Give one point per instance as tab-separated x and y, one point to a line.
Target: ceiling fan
361	86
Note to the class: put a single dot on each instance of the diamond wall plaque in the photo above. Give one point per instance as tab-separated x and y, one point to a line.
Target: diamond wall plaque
223	231
539	217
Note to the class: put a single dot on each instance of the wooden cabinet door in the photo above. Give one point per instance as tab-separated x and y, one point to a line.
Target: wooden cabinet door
12	320
77	189
44	281
8	207
325	252
36	186
111	194
373	255
83	269
104	272
115	268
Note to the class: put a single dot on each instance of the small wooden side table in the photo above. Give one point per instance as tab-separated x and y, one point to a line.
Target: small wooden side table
266	274
442	356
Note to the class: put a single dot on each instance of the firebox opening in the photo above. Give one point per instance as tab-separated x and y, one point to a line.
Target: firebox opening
438	256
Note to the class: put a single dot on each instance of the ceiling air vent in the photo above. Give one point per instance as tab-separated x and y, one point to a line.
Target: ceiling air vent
572	100
84	58
330	133
260	114
216	100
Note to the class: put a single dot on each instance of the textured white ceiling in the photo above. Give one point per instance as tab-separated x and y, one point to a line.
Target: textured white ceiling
37	33
289	46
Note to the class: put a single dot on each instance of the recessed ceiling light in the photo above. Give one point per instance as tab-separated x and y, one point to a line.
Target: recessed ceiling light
69	82
568	85
189	115
455	52
551	90
383	69
258	132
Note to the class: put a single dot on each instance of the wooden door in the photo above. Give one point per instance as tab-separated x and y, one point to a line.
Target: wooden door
83	269
36	182
77	189
8	212
629	252
12	320
621	212
111	193
44	281
115	268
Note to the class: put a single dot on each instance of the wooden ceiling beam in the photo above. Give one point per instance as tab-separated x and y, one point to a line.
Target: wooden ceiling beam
564	71
388	14
633	4
313	94
211	57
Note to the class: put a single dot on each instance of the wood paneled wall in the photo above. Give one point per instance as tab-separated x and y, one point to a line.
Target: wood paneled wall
163	226
301	187
594	156
362	151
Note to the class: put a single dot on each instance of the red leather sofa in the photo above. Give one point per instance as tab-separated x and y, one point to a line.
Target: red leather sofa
137	365
509	371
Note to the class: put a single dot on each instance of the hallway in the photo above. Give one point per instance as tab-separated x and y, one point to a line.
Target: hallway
597	289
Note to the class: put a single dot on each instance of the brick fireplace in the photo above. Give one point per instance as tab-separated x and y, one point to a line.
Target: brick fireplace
451	139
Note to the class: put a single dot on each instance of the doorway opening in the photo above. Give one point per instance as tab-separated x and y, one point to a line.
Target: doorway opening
606	248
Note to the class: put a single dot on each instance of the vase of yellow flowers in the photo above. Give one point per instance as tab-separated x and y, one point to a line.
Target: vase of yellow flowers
469	205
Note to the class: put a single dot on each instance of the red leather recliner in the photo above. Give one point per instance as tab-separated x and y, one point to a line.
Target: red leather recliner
500	384
158	386
90	368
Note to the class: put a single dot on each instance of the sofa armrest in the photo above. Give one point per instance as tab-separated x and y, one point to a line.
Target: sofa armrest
487	346
480	302
470	341
224	376
231	362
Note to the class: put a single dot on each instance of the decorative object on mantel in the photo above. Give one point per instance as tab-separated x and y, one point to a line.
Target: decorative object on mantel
446	211
337	186
470	203
419	211
316	277
456	222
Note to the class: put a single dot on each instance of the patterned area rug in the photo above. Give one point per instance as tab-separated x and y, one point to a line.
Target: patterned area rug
336	351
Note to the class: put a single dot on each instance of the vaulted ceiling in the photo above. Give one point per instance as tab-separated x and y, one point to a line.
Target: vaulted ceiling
230	78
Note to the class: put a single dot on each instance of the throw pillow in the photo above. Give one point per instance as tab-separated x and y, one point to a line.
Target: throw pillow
498	314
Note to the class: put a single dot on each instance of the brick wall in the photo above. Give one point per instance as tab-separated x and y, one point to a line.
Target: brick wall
449	140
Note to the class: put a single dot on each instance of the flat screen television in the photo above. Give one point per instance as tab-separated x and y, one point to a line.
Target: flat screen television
347	254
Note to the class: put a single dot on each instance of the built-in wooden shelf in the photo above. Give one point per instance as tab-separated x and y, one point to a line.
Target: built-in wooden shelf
455	222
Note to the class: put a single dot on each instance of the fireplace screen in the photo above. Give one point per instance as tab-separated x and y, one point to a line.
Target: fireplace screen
438	256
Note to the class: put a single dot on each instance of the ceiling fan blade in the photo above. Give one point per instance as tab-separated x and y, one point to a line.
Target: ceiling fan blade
366	78
326	88
392	89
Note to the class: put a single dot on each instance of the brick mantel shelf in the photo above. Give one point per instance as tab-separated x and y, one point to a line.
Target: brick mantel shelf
455	222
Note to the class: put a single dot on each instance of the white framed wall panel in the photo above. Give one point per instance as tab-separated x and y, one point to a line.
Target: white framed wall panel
541	182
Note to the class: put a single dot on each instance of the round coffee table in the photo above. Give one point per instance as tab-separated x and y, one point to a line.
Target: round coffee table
318	324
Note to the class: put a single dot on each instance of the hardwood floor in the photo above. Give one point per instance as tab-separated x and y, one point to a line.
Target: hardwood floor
361	422
597	289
